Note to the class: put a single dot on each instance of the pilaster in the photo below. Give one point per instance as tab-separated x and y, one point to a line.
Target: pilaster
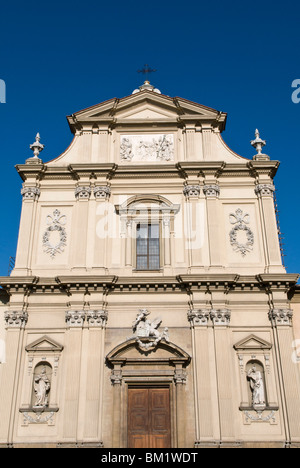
30	195
264	192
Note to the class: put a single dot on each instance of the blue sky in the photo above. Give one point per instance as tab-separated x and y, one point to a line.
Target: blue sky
238	57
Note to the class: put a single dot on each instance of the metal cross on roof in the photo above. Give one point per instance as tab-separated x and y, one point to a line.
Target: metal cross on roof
147	70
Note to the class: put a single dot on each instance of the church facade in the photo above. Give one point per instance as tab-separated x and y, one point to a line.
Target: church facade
148	306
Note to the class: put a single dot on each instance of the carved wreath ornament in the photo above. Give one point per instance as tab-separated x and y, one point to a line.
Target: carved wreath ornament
55	224
241	222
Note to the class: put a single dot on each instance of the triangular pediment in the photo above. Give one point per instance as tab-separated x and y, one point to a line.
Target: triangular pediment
44	344
145	106
252	342
146	111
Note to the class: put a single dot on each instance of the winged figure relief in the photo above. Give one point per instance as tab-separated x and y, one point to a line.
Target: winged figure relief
144	327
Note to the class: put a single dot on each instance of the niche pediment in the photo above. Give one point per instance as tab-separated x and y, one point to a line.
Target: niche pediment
165	353
252	343
44	344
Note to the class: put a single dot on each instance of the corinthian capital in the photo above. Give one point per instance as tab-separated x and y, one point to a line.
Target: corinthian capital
97	318
192	191
220	317
199	317
281	316
30	193
211	191
75	318
265	190
102	192
83	192
15	319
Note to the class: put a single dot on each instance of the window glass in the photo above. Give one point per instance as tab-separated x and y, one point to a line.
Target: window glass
147	247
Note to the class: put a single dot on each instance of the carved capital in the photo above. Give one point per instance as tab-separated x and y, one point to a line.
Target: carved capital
220	317
211	191
15	319
180	377
265	190
30	193
281	316
192	191
83	192
74	318
97	318
102	192
199	317
116	377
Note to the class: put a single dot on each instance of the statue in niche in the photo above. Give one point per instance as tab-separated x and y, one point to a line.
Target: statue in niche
257	388
41	389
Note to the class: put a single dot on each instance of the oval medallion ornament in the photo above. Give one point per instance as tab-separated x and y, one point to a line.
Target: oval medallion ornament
240	232
55	237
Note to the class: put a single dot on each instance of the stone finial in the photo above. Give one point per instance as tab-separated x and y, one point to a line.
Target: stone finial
37	148
258	144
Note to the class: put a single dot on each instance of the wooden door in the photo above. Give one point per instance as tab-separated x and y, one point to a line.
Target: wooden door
149	423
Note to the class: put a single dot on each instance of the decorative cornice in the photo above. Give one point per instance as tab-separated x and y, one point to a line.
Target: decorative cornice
15	319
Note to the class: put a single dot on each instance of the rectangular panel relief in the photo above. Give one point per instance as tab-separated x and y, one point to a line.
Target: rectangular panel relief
54	236
147	148
242	234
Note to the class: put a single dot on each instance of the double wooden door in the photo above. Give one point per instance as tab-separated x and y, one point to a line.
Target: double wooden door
149	422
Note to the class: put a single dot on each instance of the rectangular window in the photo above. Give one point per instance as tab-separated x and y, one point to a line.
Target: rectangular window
147	247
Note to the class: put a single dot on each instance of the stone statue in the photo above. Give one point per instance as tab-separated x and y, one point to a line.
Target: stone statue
41	388
257	388
143	328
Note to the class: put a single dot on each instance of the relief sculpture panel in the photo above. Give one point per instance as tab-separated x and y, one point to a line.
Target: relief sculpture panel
137	148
